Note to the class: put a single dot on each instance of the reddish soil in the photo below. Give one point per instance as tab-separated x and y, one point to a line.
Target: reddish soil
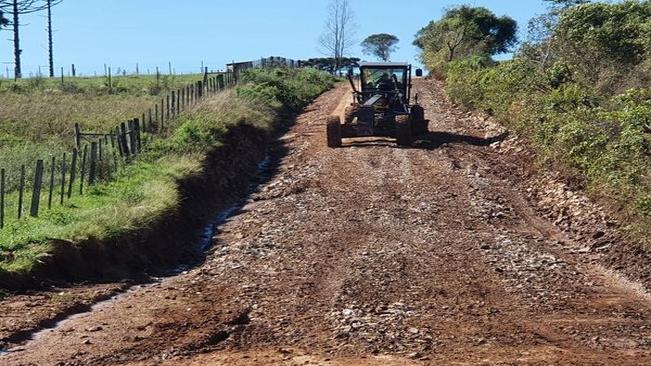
452	252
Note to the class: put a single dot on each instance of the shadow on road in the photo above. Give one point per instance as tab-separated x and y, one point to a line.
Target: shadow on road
429	141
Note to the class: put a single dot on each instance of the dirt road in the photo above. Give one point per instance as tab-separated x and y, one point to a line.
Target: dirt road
376	255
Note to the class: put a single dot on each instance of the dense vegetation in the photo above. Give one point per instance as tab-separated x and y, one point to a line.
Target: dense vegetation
580	90
147	189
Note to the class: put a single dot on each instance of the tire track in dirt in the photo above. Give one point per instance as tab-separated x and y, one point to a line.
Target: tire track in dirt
373	255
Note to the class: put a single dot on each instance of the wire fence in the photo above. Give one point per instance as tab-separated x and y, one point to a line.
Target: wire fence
97	157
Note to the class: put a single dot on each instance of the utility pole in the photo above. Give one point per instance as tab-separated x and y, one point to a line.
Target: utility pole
17	50
49	37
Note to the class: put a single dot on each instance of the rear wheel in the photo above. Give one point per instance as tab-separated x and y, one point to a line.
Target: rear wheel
403	131
418	123
333	131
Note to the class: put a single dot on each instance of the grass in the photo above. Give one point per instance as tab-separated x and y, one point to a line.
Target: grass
39	114
147	190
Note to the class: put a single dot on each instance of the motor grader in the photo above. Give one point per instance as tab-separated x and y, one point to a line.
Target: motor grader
381	107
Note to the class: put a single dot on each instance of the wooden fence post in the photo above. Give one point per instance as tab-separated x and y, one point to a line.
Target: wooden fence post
150	121
100	160
63	179
173	103
132	138
178	102
123	140
92	176
137	134
156	113
51	192
162	114
21	191
77	135
73	173
83	170
2	198
36	189
144	122
168	107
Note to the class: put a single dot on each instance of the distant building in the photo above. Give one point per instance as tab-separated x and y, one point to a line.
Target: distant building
236	67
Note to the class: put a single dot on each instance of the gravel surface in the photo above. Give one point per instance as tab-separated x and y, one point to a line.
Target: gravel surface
449	252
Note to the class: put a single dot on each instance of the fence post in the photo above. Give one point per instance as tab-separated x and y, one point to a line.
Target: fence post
77	135
100	159
178	102
167	107
173	103
150	121
137	134
21	191
132	138
123	140
2	198
83	170
162	114
156	113
63	178
36	189
93	164
73	173
144	122
51	193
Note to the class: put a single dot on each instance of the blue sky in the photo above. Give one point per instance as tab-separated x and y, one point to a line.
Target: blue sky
152	33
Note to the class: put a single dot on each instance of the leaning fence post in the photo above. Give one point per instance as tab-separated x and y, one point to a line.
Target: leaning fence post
2	198
73	172
83	170
93	164
51	192
21	191
36	189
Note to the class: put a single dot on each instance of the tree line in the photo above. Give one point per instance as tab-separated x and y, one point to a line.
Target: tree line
10	14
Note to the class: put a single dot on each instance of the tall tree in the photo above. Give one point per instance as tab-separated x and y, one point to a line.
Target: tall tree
463	31
380	45
337	37
16	8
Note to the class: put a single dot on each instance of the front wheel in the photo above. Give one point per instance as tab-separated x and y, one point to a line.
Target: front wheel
333	131
403	131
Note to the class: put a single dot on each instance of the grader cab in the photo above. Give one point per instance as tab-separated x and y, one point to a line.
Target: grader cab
381	107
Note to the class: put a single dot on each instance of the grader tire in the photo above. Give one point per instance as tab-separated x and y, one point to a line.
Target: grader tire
333	131
403	131
418	123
